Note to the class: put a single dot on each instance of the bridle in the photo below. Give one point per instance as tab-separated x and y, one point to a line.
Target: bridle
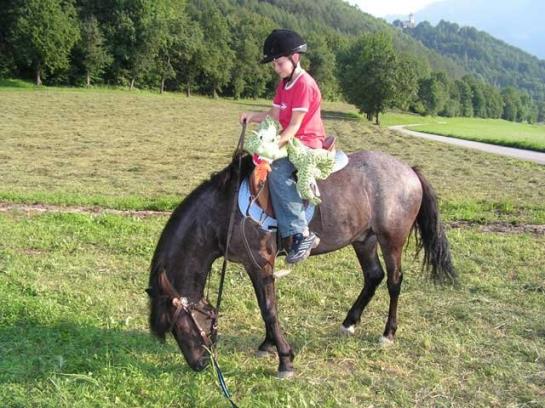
182	304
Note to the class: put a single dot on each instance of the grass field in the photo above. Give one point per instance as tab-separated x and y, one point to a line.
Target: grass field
73	314
494	131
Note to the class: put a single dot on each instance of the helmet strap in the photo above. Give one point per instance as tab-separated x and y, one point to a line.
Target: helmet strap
288	79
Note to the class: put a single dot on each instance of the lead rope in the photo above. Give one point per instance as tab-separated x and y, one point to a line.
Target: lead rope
211	351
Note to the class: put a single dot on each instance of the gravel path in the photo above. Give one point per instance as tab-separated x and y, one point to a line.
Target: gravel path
522	154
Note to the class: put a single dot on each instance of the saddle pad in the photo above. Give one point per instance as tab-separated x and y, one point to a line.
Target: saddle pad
341	160
256	213
265	221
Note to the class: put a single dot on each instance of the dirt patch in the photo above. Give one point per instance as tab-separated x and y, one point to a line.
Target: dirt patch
42	208
501	227
496	227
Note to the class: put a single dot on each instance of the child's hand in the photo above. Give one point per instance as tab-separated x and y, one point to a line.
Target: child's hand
246	117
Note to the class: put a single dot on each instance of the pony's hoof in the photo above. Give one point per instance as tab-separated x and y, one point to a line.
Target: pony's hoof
283	375
281	273
385	341
263	353
348	331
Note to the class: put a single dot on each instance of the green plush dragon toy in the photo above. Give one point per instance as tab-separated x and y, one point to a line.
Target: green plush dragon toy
311	164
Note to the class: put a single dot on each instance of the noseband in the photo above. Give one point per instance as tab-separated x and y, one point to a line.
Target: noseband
183	305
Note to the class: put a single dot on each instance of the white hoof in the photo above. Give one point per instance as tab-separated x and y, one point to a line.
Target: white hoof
285	374
281	273
263	354
385	341
348	331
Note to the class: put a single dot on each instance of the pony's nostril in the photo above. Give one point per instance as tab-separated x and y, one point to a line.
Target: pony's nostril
201	365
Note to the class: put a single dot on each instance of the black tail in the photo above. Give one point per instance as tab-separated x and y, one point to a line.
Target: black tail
437	259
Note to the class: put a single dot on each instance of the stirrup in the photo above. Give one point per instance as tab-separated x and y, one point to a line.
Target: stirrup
301	250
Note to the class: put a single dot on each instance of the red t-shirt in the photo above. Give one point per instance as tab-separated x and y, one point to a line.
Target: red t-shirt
302	95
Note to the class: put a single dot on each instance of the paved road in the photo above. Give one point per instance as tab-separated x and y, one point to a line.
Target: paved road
504	151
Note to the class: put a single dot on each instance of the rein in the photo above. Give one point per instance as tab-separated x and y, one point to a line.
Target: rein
182	304
238	152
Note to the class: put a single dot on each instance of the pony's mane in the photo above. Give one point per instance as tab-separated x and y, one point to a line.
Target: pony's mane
223	182
225	178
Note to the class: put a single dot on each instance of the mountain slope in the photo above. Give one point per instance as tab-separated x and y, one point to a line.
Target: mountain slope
338	19
484	56
519	23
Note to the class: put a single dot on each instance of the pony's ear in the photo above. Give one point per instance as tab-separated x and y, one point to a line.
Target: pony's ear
159	317
166	286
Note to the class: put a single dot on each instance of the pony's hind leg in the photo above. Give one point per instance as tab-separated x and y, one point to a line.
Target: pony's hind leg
392	259
373	274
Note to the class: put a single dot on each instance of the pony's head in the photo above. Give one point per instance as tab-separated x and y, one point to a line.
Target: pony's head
192	323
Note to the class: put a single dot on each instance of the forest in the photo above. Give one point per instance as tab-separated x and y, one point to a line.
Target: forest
213	48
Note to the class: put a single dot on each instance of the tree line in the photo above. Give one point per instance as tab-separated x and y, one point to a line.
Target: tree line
213	47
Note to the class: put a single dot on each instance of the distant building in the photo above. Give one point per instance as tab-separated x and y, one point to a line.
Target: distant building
410	23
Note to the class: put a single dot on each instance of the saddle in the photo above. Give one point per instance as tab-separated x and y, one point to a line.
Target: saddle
258	182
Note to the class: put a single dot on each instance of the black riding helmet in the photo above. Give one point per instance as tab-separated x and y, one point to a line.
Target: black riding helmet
282	43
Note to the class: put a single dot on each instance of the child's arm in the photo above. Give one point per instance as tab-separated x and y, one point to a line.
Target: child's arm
292	128
257	117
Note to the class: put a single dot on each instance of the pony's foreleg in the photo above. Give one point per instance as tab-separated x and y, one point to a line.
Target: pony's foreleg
373	274
263	282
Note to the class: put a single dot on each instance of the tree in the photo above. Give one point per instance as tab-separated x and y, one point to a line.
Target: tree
452	107
170	21
94	56
541	113
466	98
248	76
135	38
477	99
528	111
44	33
217	54
370	75
512	104
322	63
494	102
188	55
433	92
408	72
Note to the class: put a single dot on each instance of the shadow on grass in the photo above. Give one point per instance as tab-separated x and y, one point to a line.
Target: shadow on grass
32	351
333	115
246	102
15	83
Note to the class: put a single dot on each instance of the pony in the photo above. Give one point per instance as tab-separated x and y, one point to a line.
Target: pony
375	201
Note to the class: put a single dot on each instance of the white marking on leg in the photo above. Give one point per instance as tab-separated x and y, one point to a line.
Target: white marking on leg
263	354
283	375
348	331
280	273
385	341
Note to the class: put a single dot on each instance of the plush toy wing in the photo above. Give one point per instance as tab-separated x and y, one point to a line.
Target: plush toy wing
311	164
264	140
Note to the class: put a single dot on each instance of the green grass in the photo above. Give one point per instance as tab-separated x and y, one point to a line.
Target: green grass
494	131
73	327
140	150
15	83
73	313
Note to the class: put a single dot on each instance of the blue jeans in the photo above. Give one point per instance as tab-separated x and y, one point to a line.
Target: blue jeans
286	201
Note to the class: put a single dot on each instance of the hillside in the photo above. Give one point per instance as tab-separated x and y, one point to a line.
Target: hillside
486	57
519	23
339	20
